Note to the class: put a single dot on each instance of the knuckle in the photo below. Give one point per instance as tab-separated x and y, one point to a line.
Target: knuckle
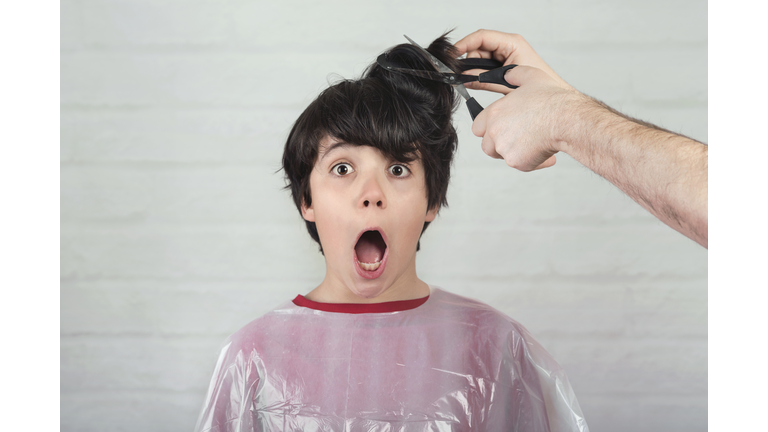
516	163
511	162
476	130
495	109
489	149
495	131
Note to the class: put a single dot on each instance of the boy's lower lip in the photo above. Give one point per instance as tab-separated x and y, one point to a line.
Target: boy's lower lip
371	274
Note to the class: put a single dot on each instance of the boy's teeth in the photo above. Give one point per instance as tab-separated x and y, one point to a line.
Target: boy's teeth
369	266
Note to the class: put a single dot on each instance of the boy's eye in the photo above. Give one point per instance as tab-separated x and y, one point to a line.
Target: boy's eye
342	169
399	170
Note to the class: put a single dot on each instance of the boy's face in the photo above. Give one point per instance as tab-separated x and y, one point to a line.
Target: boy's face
356	190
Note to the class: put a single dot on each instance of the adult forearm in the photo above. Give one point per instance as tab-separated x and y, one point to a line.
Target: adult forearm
664	172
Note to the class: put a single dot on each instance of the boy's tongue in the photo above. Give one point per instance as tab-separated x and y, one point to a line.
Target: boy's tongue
370	247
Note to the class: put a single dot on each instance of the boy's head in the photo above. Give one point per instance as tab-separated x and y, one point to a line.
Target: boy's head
368	164
405	117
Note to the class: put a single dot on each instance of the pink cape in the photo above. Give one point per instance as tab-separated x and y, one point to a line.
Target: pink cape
450	364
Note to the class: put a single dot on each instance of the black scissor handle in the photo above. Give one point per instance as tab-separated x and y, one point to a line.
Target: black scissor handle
496	70
474	108
496	76
478	63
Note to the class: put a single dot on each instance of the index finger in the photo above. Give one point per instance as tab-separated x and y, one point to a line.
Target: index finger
499	45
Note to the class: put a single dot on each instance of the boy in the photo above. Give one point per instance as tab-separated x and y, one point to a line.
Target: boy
373	347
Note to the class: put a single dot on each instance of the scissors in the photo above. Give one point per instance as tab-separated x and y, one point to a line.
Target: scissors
495	74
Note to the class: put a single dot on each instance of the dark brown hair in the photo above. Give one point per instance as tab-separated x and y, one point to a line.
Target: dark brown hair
404	116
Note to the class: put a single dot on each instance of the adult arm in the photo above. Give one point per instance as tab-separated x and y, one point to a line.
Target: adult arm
664	172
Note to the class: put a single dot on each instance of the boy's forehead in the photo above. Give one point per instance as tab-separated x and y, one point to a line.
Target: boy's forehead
329	144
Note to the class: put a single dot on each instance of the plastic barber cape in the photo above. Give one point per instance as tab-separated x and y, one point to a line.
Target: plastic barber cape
450	364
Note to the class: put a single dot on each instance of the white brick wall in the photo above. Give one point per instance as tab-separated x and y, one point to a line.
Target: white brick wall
175	231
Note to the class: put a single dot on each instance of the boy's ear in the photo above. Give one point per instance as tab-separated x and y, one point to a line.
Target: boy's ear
432	214
308	213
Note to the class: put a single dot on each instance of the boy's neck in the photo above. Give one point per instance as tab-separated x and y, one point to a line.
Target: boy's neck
333	291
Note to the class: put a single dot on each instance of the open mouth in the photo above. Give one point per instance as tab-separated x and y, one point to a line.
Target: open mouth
370	250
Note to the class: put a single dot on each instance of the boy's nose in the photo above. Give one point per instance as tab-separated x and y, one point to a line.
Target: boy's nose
372	195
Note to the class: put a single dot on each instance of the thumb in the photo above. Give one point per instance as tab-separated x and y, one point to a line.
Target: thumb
522	75
479	124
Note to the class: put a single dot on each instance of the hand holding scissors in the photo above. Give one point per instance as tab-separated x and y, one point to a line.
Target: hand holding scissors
443	73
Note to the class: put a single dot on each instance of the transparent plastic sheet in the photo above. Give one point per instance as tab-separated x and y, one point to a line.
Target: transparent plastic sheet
451	364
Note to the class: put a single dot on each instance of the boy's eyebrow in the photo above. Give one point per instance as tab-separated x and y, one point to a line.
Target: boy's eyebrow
334	146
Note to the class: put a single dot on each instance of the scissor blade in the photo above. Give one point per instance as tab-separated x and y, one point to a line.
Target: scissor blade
462	91
448	78
440	66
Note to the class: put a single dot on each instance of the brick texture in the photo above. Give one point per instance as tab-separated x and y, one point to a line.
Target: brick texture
175	231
